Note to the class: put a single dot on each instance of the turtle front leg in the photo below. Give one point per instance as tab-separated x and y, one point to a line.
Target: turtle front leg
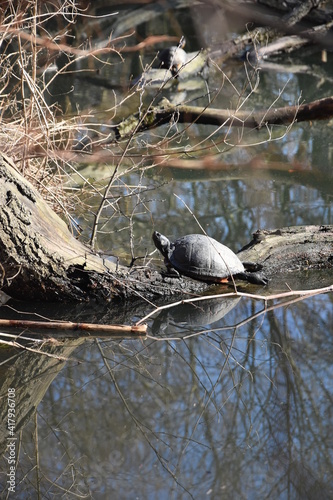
171	270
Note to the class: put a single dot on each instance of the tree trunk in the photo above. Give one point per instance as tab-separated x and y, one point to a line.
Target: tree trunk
39	258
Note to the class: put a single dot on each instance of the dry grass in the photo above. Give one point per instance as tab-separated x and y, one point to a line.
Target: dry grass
35	134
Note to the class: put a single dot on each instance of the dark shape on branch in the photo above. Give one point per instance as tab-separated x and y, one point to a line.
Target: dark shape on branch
173	58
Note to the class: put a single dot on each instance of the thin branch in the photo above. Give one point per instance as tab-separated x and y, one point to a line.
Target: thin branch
68	325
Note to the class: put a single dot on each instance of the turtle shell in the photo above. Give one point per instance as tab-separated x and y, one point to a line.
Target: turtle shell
203	258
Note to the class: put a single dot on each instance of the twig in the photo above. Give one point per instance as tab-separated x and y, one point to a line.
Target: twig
105	196
30	349
68	325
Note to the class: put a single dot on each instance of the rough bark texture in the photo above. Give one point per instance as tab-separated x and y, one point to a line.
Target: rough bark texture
291	249
40	259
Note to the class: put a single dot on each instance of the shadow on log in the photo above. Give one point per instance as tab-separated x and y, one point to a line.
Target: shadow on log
41	260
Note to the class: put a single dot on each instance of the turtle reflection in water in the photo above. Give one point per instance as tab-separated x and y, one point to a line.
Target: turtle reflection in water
203	258
173	58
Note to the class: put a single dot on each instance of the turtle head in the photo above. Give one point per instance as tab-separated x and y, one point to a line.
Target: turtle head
162	244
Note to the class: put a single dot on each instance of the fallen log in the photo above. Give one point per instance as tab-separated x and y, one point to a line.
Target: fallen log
290	249
321	109
39	257
41	260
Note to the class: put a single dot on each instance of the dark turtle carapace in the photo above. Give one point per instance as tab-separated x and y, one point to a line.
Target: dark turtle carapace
203	258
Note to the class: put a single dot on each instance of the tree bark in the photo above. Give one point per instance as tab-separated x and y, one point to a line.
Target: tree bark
40	259
321	109
290	249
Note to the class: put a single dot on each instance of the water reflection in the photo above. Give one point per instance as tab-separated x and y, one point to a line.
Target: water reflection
236	412
198	314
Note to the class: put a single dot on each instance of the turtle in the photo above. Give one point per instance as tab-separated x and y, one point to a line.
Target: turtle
203	258
173	58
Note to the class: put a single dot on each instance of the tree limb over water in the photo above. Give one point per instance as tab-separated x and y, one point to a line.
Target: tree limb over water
321	109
